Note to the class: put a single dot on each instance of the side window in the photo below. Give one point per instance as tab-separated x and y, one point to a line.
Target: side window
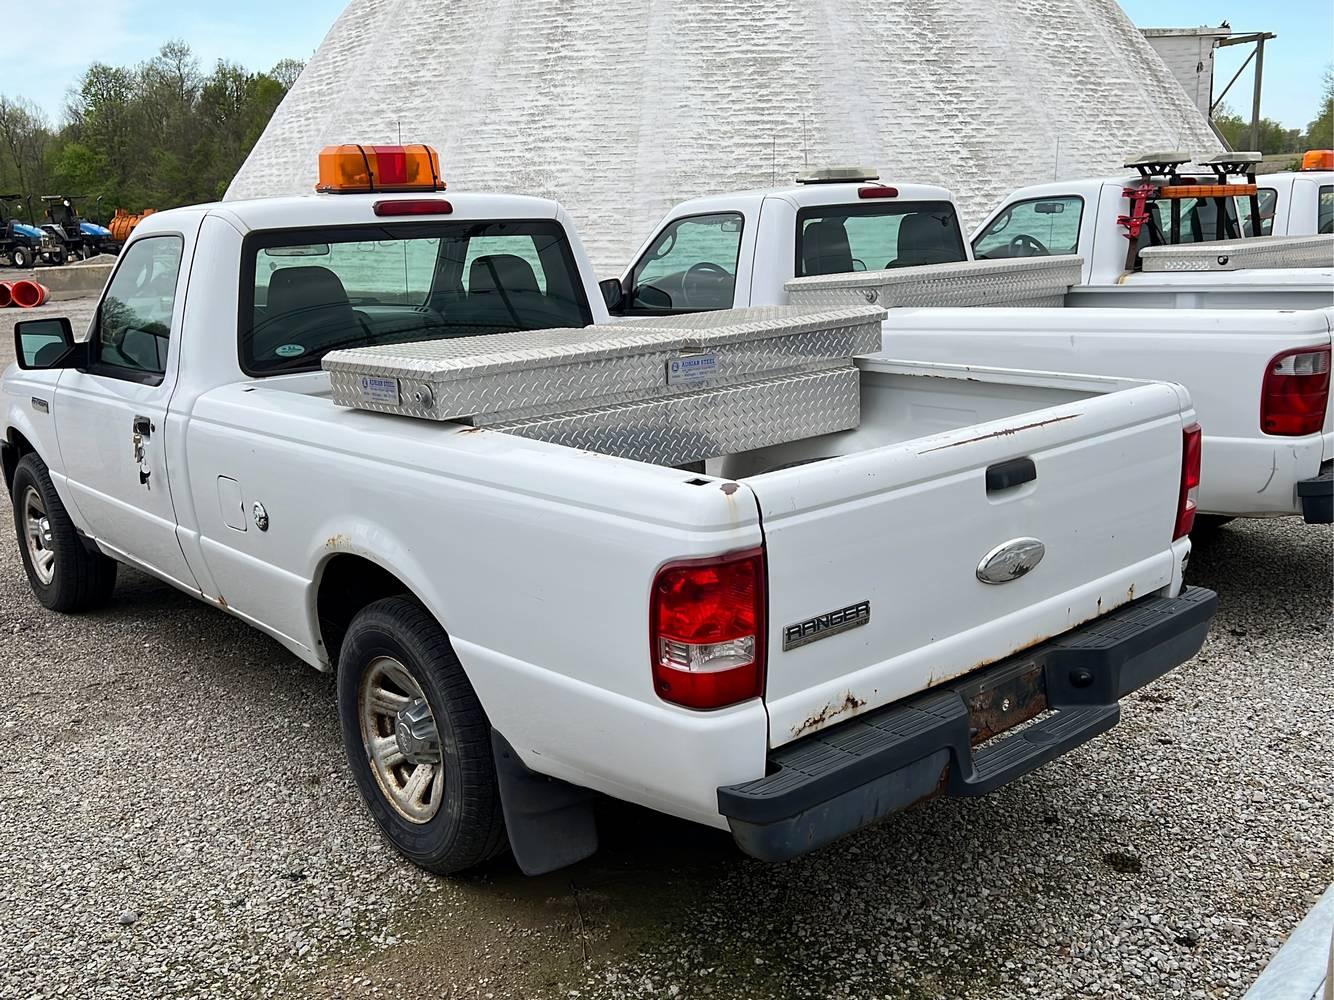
690	266
1268	198
1037	228
134	318
1325	218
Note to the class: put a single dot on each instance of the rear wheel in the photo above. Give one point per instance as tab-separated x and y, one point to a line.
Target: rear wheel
63	574
417	739
1207	525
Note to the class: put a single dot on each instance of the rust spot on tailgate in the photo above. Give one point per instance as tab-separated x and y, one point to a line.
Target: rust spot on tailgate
1003	432
850	703
730	488
337	541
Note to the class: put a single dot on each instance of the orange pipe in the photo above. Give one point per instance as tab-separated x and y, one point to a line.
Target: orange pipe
6	297
28	294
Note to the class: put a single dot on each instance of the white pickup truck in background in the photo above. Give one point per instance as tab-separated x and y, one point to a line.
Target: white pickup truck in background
1297	202
1258	377
1164	236
837	626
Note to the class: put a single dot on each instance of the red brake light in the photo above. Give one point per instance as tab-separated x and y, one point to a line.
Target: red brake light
1192	441
415	206
1295	392
706	630
877	191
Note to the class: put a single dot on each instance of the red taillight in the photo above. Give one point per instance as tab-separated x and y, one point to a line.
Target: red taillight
1295	392
1191	446
877	191
706	630
414	206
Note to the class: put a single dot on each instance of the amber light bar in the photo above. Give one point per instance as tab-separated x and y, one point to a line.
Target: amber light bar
355	169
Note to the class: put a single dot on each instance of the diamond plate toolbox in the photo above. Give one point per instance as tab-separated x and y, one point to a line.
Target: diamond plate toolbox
687	427
500	378
1234	255
1020	281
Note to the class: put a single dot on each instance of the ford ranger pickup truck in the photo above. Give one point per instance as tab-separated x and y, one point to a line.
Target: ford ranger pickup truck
525	600
1258	377
1167	236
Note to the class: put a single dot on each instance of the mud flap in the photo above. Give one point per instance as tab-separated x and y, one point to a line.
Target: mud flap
550	822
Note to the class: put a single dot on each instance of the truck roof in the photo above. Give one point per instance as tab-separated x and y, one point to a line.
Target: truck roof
808	195
314	210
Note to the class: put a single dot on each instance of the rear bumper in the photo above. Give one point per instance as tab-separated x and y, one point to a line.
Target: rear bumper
851	775
1317	496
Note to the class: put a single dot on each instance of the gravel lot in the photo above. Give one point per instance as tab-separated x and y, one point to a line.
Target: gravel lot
177	821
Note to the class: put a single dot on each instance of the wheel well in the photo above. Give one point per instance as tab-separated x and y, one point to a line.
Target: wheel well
11	450
347	585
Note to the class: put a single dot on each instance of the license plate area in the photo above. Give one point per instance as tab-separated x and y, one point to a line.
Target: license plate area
1005	698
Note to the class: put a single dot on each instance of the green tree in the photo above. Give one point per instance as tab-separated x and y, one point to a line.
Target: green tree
156	135
1320	132
1273	137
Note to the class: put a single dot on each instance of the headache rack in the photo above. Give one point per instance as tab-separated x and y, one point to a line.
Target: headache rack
1164	184
671	391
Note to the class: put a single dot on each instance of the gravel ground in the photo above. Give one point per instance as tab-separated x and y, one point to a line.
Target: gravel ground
178	821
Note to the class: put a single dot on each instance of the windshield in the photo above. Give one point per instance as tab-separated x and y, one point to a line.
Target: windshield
309	292
836	239
1038	227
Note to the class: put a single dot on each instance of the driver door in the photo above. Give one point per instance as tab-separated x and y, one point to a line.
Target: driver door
111	418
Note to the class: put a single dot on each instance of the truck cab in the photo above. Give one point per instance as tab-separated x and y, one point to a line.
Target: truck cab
1298	202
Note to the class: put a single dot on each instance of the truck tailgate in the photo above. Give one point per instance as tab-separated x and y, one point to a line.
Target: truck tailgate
875	557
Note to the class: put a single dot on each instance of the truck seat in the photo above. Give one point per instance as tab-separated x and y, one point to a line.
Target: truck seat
926	239
825	248
307	307
502	290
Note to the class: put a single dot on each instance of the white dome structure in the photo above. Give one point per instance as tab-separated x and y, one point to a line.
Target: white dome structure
619	110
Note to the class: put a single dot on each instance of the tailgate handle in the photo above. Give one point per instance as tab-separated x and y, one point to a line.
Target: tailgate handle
1008	475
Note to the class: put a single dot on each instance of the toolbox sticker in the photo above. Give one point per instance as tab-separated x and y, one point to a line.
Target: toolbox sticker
691	368
379	390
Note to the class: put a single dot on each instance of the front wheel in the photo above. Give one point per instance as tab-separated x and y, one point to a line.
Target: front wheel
22	259
63	574
417	739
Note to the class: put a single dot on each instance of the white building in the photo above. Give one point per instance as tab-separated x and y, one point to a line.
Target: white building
1189	54
621	109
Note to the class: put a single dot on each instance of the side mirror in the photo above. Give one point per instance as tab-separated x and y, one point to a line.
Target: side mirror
45	344
613	293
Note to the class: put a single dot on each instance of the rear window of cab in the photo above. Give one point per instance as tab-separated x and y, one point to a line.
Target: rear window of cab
307	292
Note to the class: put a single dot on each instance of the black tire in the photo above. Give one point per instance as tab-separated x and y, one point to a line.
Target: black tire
21	258
1209	525
468	828
82	579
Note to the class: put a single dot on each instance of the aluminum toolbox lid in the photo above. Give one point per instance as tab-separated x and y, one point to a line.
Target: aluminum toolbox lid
1265	252
963	283
523	350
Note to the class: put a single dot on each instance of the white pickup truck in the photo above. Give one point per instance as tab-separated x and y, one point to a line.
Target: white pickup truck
1164	236
828	631
1259	377
1298	202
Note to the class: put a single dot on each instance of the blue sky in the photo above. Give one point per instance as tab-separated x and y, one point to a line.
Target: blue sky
257	33
1295	61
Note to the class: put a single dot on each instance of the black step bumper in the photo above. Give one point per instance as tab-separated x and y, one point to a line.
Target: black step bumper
1317	496
848	776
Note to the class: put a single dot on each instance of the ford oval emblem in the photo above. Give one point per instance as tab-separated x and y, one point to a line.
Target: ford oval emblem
1015	558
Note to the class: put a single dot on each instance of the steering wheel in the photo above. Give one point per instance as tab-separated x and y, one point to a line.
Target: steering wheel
717	275
1031	246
